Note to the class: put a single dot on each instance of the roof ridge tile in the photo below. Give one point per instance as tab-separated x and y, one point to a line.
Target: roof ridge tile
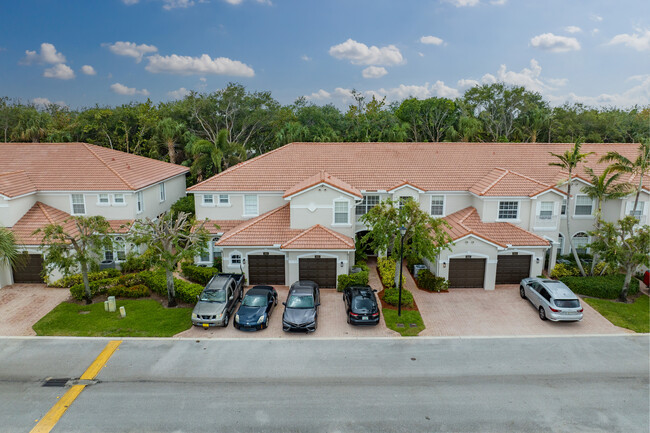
108	166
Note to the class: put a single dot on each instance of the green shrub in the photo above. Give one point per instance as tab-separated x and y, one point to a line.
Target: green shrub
428	281
130	280
198	274
386	267
603	268
605	286
71	280
97	287
217	263
358	279
137	291
391	296
183	204
157	282
362	264
413	260
136	262
187	292
561	270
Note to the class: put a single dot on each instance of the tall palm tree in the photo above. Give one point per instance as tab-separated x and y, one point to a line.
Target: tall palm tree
603	188
639	167
8	249
169	132
568	161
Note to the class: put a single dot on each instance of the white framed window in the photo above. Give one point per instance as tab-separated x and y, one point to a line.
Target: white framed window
103	200
235	259
546	210
207	200
437	205
224	199
341	212
205	254
251	207
560	239
78	204
508	210
580	242
118	199
584	205
139	201
118	252
403	199
563	208
163	197
369	201
640	209
216	251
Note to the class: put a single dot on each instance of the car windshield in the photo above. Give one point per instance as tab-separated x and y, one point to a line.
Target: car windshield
360	303
254	301
567	303
213	296
297	301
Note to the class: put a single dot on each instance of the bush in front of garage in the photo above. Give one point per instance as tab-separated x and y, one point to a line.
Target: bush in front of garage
386	267
562	270
604	286
137	291
358	279
198	274
427	281
185	291
391	296
71	280
98	287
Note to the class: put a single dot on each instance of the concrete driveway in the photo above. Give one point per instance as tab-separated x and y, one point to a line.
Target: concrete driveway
22	305
331	323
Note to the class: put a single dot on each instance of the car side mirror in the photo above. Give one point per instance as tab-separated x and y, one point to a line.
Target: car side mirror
374	290
284	303
317	304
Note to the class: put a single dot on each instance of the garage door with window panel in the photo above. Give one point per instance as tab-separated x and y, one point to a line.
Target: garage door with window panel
29	271
512	269
266	269
466	273
321	271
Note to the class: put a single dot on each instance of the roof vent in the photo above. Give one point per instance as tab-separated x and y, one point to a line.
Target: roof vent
113	159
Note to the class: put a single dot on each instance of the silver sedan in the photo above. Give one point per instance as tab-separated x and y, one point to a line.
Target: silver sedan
553	299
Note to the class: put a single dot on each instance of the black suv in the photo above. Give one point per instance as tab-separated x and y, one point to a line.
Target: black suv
361	305
301	307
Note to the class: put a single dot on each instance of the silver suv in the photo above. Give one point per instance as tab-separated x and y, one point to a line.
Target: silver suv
553	299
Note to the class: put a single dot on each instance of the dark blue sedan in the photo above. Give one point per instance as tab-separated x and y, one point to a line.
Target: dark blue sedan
255	310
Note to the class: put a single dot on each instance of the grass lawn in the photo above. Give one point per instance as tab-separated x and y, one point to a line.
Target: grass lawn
634	316
408	317
144	318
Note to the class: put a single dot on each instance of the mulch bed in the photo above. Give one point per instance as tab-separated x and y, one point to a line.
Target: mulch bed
385	304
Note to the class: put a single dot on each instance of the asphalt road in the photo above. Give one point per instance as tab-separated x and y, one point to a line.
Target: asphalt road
559	384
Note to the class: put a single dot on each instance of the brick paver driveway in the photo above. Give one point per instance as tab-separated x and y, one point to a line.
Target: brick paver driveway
22	305
331	323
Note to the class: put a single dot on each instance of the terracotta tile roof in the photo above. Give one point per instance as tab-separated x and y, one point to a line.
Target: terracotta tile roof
271	228
501	182
40	215
467	221
83	167
402	183
319	238
322	177
15	183
381	166
224	226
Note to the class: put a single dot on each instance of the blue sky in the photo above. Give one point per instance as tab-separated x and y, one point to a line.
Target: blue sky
82	53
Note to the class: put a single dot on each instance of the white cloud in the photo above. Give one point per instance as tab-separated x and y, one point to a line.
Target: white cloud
121	89
88	70
173	4
498	2
420	54
203	79
131	49
393	94
596	18
572	29
361	54
558	82
594	32
321	94
48	54
463	3
130	2
60	71
374	72
489	78
637	95
639	41
305	57
431	40
234	2
44	102
555	43
265	2
179	94
465	83
186	65
528	77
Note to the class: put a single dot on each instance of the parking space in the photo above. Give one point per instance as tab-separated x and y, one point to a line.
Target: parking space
331	323
22	305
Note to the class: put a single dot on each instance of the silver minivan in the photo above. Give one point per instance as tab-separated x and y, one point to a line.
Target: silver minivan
553	299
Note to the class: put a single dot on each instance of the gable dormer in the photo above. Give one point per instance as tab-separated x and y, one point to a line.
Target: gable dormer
405	190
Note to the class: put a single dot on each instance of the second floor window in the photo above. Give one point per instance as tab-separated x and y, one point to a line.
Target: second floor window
437	205
341	212
208	199
103	199
508	210
563	210
78	204
139	201
639	209
118	198
546	210
369	201
250	205
224	199
162	192
584	205
403	200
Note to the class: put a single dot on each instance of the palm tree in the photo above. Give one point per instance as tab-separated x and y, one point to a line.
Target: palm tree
569	160
8	249
211	158
639	167
169	131
603	188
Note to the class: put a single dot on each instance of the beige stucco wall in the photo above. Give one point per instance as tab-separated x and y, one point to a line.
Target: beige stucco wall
12	210
235	210
316	206
5	275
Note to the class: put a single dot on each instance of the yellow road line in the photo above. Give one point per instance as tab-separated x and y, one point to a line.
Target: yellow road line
50	419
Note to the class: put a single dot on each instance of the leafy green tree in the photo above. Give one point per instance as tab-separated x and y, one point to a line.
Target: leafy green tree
429	119
9	254
172	240
625	245
568	161
75	244
639	167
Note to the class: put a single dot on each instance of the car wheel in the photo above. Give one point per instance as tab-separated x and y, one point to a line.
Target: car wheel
542	313
225	321
266	322
522	292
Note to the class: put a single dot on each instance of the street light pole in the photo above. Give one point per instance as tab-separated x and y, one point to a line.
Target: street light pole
402	231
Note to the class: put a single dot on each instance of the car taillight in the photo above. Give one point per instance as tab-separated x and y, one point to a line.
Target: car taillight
581	310
554	310
354	314
375	314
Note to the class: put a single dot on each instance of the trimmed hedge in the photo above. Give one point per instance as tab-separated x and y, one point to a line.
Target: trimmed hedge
198	274
358	279
97	287
71	280
138	291
391	296
157	282
386	267
605	286
428	281
561	270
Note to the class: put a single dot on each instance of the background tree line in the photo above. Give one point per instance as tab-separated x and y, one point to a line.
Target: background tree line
210	132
